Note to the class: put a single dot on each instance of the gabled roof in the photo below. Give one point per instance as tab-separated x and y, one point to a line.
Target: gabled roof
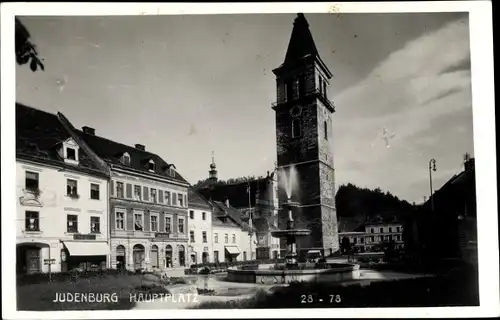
223	211
40	134
195	200
111	152
349	225
236	193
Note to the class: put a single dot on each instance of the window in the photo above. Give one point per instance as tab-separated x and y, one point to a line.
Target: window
168	225
191	214
32	221
167	197
381	230
94	191
398	229
137	193
154	223
95	225
397	238
174	199
324	88
296	130
372	230
119	190
138	226
226	238
372	239
325	125
151	165
120	220
234	238
181	200
181	225
390	229
31	182
361	240
204	236
171	172
126	159
153	195
72	221
216	256
204	216
71	188
355	240
70	154
216	238
320	85
191	236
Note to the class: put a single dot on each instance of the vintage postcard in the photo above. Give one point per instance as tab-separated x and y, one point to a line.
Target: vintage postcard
242	160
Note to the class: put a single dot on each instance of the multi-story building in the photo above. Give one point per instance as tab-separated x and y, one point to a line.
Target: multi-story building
62	190
200	229
233	239
374	234
148	206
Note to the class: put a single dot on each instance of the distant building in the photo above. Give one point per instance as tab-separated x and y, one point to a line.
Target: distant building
373	235
62	197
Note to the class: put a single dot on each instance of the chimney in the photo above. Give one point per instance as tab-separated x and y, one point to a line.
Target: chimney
88	130
140	147
227	203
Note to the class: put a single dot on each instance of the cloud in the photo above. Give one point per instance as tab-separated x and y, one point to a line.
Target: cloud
412	93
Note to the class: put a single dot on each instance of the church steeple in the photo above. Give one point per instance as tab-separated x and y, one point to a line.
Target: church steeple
213	170
301	42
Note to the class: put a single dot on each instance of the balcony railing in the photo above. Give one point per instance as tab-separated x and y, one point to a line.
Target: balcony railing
316	93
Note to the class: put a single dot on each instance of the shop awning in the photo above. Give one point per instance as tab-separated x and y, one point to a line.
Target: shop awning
233	250
81	248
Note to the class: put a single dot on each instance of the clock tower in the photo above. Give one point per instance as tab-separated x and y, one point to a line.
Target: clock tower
304	141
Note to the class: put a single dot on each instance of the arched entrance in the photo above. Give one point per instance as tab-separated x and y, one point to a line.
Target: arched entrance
154	256
182	255
29	257
204	257
121	262
168	256
139	256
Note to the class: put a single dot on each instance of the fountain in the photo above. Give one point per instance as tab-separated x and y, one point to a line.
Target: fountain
290	271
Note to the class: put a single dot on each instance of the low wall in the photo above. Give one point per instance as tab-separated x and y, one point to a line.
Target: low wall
266	276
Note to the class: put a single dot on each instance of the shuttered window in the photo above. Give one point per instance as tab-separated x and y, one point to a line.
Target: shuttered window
146	193
112	187
129	190
160	196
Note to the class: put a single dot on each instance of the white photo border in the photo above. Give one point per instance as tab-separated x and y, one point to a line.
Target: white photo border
481	43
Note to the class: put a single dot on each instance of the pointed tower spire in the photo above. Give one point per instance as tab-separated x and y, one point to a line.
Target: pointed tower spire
212	174
301	42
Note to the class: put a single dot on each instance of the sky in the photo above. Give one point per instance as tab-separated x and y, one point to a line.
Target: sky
187	85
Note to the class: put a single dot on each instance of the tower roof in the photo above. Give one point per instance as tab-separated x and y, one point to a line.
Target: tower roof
301	42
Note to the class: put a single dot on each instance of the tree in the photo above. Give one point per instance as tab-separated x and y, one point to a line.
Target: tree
25	50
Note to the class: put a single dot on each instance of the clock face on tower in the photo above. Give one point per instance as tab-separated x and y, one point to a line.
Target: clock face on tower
295	111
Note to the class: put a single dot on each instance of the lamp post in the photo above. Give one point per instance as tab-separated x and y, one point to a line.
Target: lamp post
432	167
250	218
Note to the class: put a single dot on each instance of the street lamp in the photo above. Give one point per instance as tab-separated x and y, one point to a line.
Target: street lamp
432	167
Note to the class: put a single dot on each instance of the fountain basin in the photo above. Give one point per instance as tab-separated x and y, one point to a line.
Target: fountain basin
290	232
335	273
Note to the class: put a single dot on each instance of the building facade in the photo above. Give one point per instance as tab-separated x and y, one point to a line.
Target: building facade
200	229
62	208
148	206
303	136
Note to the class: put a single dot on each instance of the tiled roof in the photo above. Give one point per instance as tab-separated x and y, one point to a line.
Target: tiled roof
221	210
39	135
111	152
236	193
197	201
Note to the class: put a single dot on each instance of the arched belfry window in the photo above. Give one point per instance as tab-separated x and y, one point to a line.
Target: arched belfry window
296	129
325	126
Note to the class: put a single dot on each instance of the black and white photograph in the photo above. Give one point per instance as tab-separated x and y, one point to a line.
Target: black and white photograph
281	158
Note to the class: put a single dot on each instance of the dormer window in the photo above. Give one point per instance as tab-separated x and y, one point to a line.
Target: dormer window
69	151
151	165
71	154
171	172
126	159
